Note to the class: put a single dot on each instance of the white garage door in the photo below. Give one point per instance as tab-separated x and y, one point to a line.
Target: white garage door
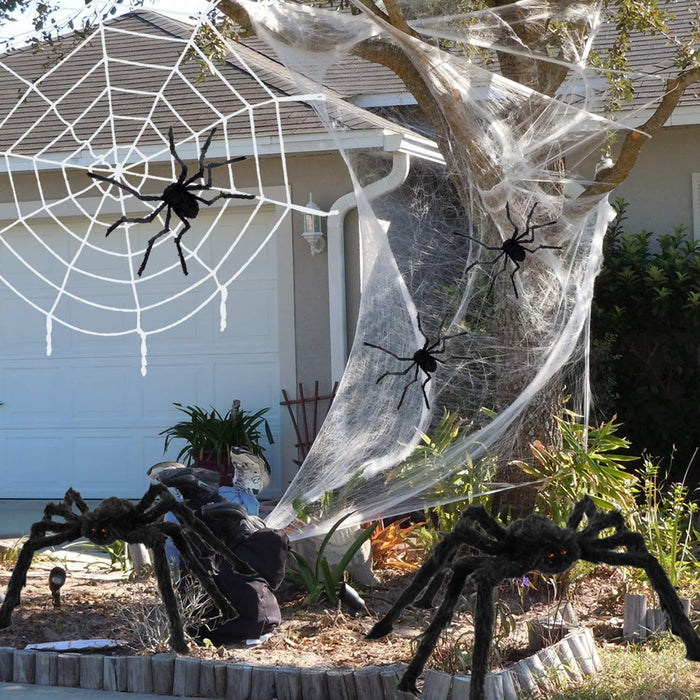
85	416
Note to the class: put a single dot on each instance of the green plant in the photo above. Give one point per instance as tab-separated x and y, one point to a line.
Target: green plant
117	552
210	432
665	516
9	554
320	578
594	466
645	328
454	491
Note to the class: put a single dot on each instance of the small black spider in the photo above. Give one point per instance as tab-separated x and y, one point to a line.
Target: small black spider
534	543
120	519
178	197
512	248
423	359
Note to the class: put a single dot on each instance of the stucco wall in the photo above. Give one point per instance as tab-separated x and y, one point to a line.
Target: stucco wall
659	188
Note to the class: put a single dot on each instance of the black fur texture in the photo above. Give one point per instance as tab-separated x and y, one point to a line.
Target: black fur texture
120	519
530	544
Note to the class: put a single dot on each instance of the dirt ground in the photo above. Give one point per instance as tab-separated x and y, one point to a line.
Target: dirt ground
95	603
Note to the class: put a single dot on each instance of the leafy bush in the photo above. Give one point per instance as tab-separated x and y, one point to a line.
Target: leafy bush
595	467
666	516
319	578
645	330
209	431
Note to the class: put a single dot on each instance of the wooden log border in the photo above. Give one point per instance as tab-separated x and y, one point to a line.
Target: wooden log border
640	621
573	657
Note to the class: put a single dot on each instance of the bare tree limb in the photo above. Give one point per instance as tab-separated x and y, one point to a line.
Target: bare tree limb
610	178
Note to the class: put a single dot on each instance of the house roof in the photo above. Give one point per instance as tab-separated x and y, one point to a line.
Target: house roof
654	57
68	101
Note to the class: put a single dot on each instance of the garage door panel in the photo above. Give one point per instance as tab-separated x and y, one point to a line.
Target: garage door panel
86	417
23	329
176	382
38	460
105	391
34	396
108	464
254	381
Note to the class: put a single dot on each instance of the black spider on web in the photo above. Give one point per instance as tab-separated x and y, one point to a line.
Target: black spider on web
178	197
497	552
424	359
512	248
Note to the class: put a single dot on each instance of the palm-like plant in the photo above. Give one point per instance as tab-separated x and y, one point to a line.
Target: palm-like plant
208	433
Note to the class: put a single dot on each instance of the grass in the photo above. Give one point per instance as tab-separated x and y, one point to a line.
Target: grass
656	670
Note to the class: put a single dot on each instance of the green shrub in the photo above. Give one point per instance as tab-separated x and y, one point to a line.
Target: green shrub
645	333
595	466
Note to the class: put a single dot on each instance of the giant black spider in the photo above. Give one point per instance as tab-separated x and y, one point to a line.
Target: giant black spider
512	248
422	359
533	543
178	197
120	519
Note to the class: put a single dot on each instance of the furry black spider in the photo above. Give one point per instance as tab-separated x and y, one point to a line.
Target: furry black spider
178	197
512	248
424	359
533	543
120	519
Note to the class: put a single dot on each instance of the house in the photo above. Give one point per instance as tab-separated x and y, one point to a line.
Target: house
86	417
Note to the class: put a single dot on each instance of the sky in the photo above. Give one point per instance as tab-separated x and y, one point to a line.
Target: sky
22	28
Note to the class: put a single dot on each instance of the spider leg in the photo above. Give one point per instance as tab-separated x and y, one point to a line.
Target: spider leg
136	193
225	195
512	277
500	272
442	555
198	528
188	556
422	388
389	352
481	243
405	389
165	587
466	534
173	152
37	540
398	374
178	238
586	507
668	597
428	640
153	239
136	219
512	223
548	247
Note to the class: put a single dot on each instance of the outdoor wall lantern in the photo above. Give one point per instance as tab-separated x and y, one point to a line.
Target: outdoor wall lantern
313	231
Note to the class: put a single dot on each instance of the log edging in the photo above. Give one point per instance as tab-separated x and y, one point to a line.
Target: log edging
166	674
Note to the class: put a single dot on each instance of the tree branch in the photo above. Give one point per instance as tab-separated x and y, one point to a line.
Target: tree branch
608	179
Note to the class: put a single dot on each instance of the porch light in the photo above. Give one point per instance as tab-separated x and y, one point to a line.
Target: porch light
313	232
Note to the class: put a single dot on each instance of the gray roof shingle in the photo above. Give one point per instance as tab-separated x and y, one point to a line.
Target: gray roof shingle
70	103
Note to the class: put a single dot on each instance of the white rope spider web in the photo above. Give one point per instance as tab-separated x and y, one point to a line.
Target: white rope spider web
106	107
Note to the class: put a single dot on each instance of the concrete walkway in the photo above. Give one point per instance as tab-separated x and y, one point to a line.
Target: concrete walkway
10	691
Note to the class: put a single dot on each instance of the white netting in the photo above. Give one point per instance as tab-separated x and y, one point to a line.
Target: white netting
100	111
514	315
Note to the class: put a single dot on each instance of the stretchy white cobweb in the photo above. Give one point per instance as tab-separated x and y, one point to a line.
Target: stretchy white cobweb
98	110
433	266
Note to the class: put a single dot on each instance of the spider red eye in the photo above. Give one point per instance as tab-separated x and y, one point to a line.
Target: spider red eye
104	532
94	529
563	553
550	555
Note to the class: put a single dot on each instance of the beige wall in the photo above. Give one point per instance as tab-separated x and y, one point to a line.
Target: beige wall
659	188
